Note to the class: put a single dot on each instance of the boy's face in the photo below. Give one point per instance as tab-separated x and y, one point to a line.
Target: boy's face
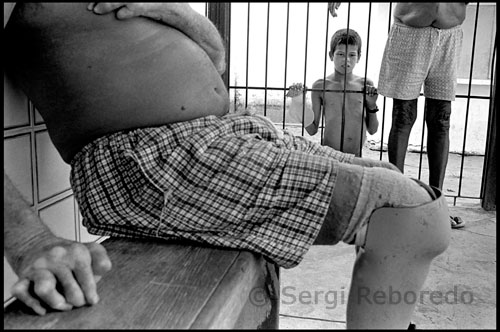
344	59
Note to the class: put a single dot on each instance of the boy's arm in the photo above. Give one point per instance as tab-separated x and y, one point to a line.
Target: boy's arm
371	123
178	15
371	108
317	101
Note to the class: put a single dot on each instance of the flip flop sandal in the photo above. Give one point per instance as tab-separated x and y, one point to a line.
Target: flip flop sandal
456	222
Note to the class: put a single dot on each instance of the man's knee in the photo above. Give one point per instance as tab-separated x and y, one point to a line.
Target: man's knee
404	113
420	232
437	115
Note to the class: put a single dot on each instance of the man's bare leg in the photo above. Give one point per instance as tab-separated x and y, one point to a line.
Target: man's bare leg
390	271
399	244
437	117
404	114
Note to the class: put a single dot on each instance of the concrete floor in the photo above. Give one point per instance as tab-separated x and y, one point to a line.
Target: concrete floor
314	294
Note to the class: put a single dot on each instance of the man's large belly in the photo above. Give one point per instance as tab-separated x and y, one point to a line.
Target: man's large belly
91	75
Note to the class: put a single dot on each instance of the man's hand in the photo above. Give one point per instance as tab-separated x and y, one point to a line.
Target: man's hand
178	15
61	276
173	11
332	8
53	272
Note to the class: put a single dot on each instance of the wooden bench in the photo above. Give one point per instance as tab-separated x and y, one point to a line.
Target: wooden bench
160	285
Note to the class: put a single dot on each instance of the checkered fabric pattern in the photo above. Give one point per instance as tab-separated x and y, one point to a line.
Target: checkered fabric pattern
233	181
420	56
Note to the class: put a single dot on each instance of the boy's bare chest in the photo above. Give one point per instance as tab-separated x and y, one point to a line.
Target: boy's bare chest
335	91
351	101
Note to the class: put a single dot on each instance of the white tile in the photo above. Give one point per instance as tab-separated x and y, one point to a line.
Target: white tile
17	164
60	218
53	172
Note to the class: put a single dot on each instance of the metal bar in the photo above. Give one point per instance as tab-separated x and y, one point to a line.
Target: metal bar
286	62
335	90
361	142
489	176
248	49
342	128
267	58
322	106
305	70
468	101
220	14
421	144
385	99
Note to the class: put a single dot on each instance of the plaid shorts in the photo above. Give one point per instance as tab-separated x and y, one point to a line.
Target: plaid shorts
420	56
233	181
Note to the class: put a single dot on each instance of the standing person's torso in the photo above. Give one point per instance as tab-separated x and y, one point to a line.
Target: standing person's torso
90	75
354	121
441	15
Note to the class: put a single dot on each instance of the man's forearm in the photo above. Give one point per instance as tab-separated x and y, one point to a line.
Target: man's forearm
23	229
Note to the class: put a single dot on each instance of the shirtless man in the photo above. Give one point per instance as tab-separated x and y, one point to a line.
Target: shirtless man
347	119
423	48
84	88
138	109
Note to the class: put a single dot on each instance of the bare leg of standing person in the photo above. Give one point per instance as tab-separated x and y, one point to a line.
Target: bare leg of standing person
437	118
404	114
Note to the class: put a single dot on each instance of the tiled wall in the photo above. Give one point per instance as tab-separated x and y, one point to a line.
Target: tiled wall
35	167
